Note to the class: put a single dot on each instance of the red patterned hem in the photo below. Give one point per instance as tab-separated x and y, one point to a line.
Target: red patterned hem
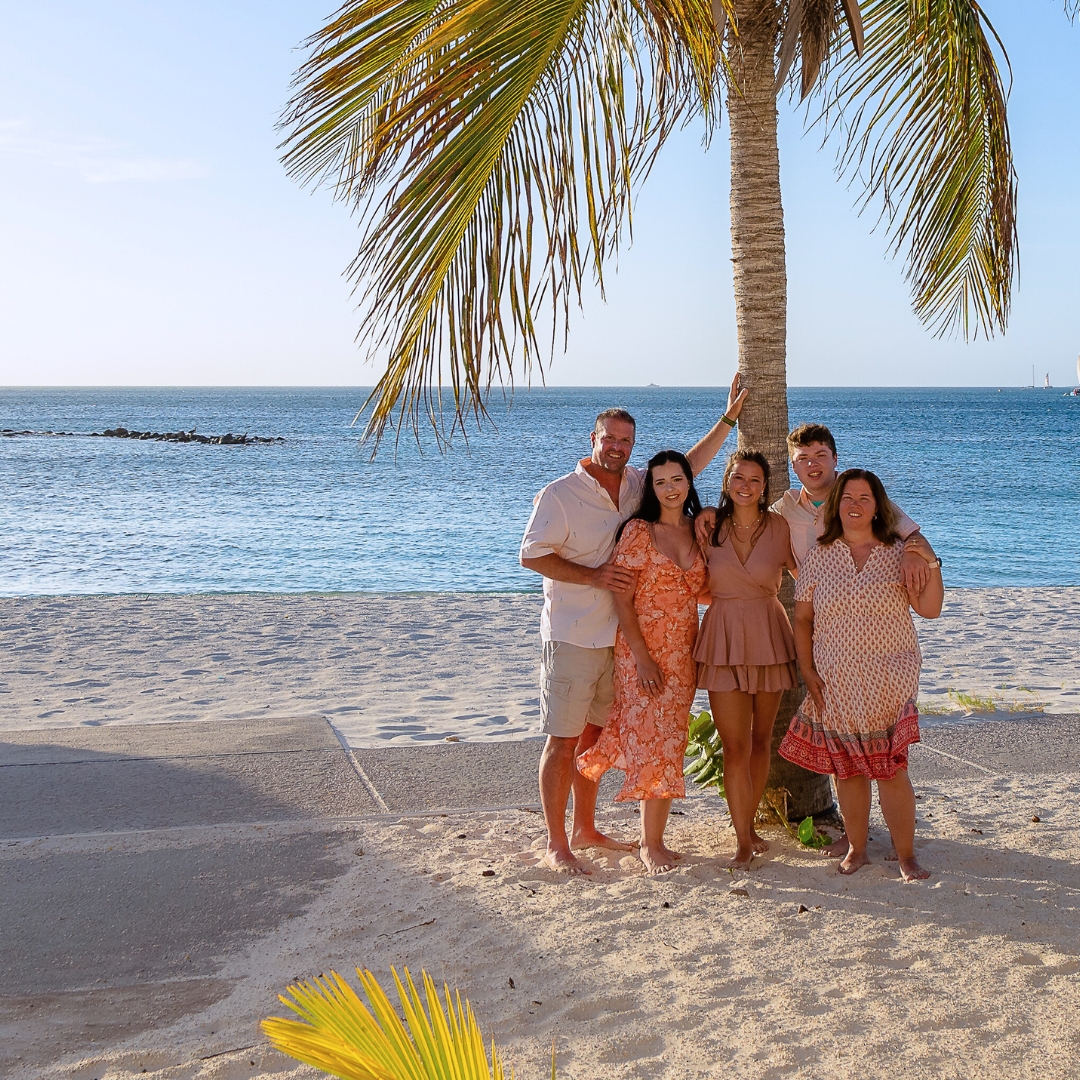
878	754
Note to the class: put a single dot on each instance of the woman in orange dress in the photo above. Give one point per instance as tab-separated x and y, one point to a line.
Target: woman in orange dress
654	653
745	651
859	656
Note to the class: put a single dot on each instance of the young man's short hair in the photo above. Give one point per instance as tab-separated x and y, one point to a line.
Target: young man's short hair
805	434
615	414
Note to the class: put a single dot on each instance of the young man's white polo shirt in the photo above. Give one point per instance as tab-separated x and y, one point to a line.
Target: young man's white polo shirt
575	518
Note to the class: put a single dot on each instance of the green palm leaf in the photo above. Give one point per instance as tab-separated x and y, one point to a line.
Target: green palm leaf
490	147
924	116
341	1036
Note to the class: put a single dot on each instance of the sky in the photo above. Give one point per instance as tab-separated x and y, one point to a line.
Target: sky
149	235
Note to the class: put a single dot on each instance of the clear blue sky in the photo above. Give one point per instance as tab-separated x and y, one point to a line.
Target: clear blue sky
150	237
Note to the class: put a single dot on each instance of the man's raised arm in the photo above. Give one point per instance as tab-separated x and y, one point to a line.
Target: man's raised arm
703	451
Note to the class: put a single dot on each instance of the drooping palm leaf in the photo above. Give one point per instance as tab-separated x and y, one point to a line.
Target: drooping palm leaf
924	115
491	147
341	1036
810	30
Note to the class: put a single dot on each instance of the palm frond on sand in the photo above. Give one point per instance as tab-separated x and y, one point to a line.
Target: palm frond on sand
340	1035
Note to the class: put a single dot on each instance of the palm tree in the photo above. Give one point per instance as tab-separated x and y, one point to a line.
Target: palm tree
491	148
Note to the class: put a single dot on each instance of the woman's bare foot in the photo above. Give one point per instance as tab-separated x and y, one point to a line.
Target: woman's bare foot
912	871
759	844
892	856
595	838
837	849
656	860
563	861
674	856
741	859
852	861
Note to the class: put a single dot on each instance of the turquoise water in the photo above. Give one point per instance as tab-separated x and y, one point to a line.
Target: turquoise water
992	476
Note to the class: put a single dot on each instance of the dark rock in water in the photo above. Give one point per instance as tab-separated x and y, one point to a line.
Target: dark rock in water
159	436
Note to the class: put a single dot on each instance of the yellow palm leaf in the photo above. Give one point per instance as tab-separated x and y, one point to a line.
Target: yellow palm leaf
340	1035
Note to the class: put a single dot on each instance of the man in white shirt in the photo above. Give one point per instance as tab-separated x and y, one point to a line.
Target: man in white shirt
569	540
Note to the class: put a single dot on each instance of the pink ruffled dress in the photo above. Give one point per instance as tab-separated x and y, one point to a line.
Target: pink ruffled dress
745	640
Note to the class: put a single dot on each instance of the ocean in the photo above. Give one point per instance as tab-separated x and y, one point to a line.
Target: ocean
992	476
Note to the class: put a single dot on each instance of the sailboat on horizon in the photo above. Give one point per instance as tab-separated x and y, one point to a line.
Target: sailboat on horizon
1075	391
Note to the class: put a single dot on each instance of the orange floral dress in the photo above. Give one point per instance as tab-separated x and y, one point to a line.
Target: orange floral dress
646	736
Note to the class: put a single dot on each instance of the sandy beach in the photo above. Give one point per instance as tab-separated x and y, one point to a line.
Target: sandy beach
422	667
183	834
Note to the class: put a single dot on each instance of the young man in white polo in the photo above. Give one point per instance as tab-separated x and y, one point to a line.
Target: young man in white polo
812	450
569	540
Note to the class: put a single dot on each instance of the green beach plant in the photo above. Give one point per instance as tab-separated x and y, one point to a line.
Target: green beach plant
340	1035
704	763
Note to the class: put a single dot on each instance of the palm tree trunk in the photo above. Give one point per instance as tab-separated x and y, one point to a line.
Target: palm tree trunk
757	253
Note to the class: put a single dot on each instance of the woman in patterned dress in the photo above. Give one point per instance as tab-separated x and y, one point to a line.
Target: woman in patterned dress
859	656
654	664
745	652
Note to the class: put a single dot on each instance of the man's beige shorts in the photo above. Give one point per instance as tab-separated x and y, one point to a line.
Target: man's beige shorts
577	687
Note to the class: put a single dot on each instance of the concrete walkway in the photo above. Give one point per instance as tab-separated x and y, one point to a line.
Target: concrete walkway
134	859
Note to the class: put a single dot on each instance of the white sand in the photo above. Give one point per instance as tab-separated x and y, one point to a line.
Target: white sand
414	668
973	974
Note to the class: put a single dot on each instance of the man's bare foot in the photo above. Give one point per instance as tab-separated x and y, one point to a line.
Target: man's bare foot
595	838
741	859
910	870
563	861
837	849
852	861
759	843
656	860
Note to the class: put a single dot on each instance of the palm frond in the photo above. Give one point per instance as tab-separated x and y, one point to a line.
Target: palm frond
810	30
341	1036
490	148
924	117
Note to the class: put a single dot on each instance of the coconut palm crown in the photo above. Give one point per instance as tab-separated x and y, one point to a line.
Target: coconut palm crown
492	148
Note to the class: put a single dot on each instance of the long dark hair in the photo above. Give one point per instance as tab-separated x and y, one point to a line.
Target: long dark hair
727	507
649	510
885	516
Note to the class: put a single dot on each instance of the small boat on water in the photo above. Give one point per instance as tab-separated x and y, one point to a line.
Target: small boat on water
1075	391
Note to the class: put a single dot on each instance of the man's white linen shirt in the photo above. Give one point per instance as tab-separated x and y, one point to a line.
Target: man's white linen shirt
575	518
806	521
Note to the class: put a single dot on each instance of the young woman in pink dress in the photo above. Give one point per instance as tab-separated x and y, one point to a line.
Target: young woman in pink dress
654	653
745	652
859	656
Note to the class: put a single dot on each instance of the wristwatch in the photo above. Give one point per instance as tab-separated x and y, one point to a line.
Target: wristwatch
936	562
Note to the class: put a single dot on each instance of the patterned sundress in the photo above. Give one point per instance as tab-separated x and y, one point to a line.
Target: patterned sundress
867	653
646	736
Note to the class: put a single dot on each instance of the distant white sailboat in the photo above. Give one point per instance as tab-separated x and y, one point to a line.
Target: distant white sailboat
1075	392
1046	382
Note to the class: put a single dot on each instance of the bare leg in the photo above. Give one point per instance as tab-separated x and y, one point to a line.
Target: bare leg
654	815
764	717
585	832
733	716
854	795
898	805
556	771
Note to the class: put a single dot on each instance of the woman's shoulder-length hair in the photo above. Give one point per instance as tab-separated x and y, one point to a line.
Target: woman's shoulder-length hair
885	516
